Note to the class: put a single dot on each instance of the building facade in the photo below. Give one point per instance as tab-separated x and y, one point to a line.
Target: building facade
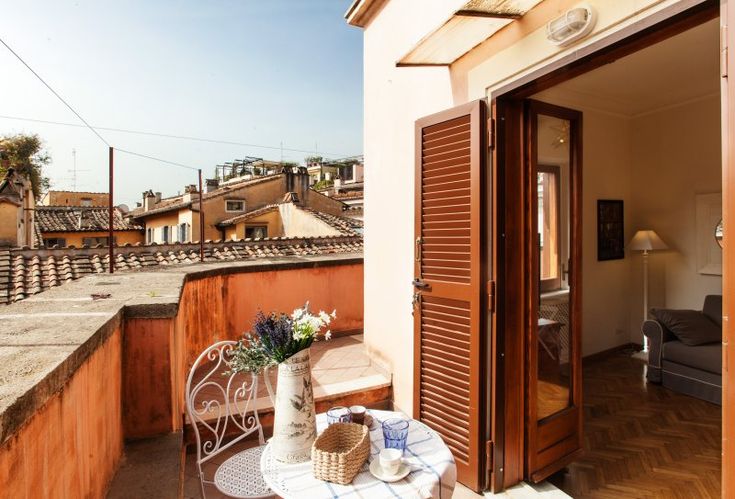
434	69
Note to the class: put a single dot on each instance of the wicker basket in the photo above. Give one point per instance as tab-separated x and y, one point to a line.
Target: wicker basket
340	451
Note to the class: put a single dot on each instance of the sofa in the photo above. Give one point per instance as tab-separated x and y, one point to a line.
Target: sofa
685	350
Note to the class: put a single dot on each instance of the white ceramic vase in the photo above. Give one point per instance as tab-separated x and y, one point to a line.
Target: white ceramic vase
294	425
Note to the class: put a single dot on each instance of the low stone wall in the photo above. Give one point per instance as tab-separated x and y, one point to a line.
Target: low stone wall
78	375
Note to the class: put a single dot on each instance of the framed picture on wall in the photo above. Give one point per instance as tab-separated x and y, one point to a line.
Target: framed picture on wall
610	230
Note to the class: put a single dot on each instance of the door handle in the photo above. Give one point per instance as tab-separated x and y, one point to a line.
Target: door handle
418	283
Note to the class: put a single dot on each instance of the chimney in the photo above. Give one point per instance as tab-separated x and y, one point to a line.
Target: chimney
190	193
302	183
158	197
149	199
212	184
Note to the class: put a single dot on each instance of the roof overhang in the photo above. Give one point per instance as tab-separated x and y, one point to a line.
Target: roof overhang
361	12
469	26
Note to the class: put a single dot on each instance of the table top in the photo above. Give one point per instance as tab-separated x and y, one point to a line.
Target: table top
433	474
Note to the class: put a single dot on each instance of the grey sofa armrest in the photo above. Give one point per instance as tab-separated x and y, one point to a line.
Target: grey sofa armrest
657	335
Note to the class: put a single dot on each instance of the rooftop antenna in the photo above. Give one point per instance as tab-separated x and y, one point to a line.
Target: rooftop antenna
74	170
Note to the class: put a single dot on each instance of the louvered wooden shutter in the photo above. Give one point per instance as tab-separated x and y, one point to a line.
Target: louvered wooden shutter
448	344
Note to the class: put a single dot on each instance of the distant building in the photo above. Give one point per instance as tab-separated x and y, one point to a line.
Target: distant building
176	219
74	198
16	210
287	219
83	226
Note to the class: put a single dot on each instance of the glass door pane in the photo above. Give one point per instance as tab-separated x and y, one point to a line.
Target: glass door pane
552	167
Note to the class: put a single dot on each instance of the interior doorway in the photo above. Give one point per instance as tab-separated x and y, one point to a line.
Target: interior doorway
651	144
651	107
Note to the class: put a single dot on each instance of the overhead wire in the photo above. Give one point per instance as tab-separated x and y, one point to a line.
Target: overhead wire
172	136
153	158
138	132
54	91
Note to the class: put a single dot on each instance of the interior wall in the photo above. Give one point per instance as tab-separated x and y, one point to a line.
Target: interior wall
676	154
606	164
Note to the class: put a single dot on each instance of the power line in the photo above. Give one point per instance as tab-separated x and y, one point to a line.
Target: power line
157	159
54	91
169	136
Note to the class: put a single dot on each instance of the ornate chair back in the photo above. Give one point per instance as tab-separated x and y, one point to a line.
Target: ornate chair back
220	402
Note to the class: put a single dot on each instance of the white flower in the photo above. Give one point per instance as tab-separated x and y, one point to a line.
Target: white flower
297	313
334	314
328	335
324	317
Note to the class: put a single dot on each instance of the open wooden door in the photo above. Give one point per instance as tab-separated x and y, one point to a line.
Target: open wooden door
553	344
451	311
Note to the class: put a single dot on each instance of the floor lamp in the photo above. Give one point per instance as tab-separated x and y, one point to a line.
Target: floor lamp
645	241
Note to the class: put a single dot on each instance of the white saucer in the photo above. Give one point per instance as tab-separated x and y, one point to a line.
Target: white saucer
380	474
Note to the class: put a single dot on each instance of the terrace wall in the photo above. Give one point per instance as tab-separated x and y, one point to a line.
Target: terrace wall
82	374
159	352
72	445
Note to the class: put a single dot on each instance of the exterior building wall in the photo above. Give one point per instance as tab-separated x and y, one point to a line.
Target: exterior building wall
73	198
158	222
77	238
9	224
272	220
395	98
297	222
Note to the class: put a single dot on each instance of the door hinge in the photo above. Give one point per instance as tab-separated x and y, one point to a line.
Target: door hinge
491	298
491	133
489	447
723	51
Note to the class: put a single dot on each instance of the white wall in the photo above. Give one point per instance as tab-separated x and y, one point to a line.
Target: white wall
675	155
394	99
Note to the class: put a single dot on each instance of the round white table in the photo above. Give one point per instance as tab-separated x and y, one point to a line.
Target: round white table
433	473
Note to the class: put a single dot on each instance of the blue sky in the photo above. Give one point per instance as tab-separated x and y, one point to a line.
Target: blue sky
259	72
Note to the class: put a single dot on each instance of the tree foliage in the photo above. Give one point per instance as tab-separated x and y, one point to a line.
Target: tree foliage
27	155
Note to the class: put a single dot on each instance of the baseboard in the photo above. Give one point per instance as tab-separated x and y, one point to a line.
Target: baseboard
611	351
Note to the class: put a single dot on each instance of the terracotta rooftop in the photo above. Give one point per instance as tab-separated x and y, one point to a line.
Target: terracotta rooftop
178	203
348	195
25	272
249	215
345	225
80	219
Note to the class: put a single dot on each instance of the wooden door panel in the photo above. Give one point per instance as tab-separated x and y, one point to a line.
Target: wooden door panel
449	344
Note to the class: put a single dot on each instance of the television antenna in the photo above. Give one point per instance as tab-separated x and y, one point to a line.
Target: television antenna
74	170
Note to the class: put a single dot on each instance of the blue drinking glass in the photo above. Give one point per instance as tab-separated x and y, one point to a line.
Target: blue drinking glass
339	414
395	433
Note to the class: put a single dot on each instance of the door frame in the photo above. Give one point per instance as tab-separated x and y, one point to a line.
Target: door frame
513	208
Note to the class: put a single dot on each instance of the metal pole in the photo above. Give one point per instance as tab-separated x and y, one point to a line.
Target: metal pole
201	219
110	241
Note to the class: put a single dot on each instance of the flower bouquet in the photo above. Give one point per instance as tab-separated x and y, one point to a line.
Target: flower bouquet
282	340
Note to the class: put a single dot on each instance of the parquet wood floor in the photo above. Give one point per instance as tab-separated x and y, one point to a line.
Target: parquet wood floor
642	440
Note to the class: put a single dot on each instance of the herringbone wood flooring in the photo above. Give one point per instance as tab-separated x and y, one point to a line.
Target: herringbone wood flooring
642	440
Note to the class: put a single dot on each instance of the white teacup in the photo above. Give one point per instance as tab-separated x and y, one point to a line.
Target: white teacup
390	460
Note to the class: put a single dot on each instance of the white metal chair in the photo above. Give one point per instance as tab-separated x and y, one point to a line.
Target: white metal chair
216	403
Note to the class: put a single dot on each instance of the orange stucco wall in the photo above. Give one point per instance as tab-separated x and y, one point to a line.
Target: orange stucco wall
224	306
158	352
77	238
72	198
72	446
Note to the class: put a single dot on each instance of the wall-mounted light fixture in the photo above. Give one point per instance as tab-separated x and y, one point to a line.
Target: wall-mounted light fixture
572	25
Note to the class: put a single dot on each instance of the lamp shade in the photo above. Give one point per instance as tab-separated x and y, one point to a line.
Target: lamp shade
646	240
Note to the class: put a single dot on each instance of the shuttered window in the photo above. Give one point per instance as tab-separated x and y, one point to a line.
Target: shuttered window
447	320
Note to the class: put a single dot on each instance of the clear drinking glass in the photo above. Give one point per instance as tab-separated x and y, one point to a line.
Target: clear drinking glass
395	433
339	414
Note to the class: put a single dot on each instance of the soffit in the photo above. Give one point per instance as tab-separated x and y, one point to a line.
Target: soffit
473	23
